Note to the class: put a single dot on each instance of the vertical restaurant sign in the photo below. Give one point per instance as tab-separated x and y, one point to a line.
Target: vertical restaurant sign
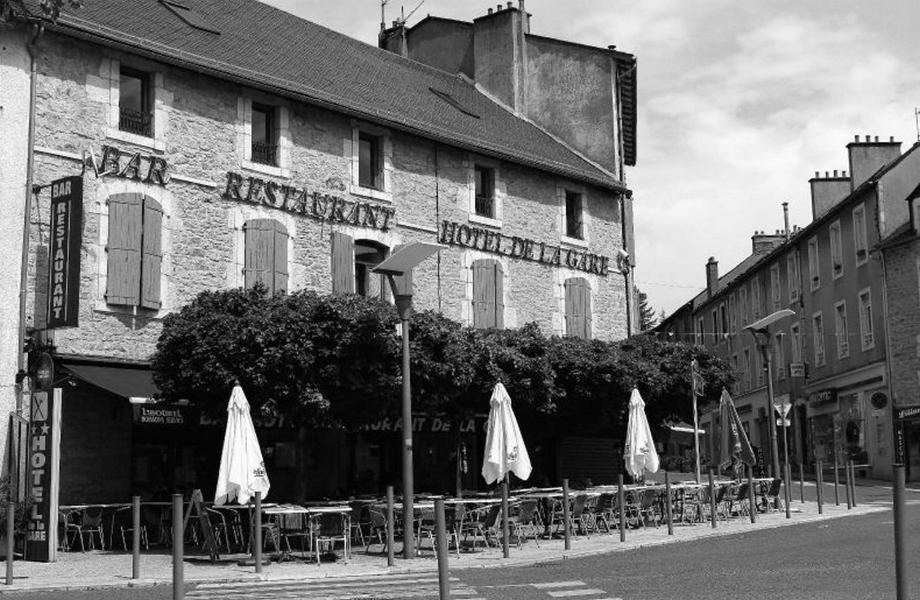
64	253
44	464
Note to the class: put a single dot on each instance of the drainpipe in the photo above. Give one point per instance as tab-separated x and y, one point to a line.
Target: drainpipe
37	30
626	278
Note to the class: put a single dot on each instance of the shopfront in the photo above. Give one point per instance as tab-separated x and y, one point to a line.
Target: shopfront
907	439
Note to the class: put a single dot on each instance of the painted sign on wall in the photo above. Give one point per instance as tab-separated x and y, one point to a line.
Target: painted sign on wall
64	252
44	476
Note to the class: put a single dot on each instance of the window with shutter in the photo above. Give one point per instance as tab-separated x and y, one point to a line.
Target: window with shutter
123	272
369	254
266	255
578	308
152	257
343	263
488	290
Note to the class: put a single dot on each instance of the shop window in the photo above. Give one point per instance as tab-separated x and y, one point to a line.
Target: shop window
134	103
860	238
488	293
813	264
264	133
866	322
370	161
836	250
842	330
266	255
485	191
134	250
574	215
818	332
578	308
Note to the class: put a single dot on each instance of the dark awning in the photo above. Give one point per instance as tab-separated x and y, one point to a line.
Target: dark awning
128	382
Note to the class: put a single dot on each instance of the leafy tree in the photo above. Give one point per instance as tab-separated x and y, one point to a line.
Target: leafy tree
647	319
50	9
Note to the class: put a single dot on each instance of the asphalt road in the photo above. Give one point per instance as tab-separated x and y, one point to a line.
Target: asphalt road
839	559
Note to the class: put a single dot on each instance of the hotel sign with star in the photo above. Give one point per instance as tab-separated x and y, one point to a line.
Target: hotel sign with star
44	461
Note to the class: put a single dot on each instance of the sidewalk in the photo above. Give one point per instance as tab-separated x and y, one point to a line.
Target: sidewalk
96	570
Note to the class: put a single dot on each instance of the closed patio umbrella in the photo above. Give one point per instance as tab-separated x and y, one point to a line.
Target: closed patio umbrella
735	447
505	451
242	470
639	453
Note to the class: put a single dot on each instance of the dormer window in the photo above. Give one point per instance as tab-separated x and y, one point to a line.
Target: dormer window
134	103
264	135
485	191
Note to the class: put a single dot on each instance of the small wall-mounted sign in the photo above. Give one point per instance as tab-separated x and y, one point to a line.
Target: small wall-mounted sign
64	252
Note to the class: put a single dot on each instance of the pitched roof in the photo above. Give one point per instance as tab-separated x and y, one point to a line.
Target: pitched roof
265	48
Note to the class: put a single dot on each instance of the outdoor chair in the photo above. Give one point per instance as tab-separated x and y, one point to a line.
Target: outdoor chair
771	499
294	526
330	528
378	528
650	507
72	530
492	525
360	522
124	519
739	503
606	512
526	523
91	525
219	527
633	508
476	523
428	526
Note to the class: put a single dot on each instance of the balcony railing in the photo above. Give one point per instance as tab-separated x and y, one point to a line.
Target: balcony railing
136	122
265	153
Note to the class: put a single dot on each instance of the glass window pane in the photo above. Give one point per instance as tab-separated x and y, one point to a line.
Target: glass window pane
131	92
260	125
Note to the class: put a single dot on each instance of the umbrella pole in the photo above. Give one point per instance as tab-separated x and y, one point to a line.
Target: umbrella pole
696	434
505	534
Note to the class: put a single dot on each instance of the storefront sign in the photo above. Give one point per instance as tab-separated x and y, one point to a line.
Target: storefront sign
44	464
301	201
906	412
422	424
44	371
487	240
823	397
797	369
146	168
64	252
160	415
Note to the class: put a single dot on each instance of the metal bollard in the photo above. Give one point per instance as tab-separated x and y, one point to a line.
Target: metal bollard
566	516
801	483
10	540
712	501
819	482
441	532
505	534
836	483
752	504
667	503
390	515
178	549
900	534
787	470
136	540
257	532
846	484
853	482
621	503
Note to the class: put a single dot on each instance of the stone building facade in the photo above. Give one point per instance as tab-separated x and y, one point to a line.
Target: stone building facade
205	166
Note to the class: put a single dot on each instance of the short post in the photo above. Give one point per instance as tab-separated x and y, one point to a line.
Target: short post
621	504
801	483
178	540
853	482
819	482
900	534
846	484
136	539
257	532
441	532
565	514
505	534
390	514
788	492
712	501
10	540
667	503
836	483
752	493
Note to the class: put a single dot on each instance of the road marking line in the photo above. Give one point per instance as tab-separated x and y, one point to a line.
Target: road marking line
555	584
572	593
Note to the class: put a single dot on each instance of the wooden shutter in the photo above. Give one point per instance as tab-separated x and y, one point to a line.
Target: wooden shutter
152	258
578	308
343	264
488	287
259	253
123	276
280	262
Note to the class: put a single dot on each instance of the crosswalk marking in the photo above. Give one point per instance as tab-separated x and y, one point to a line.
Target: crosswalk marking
554	584
572	589
573	593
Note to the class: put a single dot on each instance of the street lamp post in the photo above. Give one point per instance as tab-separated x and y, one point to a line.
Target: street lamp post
761	334
400	264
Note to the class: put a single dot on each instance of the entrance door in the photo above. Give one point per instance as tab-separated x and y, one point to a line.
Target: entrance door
912	447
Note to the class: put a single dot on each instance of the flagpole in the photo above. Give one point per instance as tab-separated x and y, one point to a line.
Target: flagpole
696	419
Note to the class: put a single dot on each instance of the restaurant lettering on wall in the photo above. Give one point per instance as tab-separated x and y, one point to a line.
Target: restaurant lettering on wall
486	240
301	201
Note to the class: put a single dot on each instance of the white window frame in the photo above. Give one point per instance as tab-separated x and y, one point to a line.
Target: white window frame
795	339
860	235
836	244
842	329
352	150
866	320
817	328
792	275
699	331
756	302
499	192
732	316
244	134
110	78
562	224
775	287
814	264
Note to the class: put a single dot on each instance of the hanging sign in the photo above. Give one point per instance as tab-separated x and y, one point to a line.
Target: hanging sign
44	476
64	252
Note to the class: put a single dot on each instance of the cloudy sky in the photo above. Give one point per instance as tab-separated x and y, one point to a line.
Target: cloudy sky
739	104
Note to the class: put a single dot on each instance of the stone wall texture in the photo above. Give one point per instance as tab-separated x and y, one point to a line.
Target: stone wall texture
902	265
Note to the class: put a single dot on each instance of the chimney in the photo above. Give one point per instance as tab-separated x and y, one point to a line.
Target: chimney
827	191
712	277
394	39
869	156
786	220
498	51
763	242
